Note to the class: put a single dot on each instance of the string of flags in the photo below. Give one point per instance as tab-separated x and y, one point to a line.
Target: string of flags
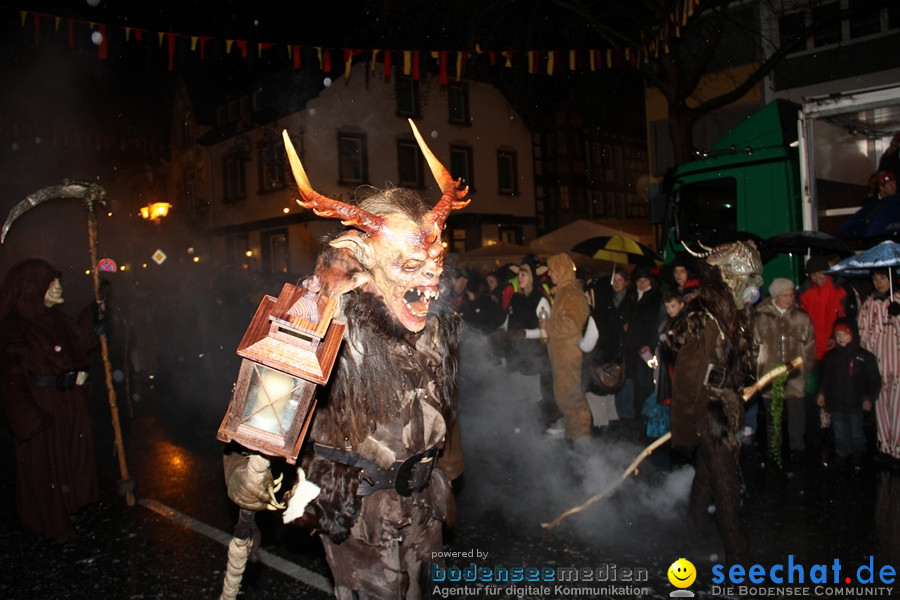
330	60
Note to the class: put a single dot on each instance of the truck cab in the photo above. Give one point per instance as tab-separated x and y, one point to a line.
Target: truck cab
746	187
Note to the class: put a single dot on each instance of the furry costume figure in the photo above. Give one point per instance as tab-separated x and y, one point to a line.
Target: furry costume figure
381	426
712	339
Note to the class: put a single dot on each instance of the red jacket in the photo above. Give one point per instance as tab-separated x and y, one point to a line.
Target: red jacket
825	304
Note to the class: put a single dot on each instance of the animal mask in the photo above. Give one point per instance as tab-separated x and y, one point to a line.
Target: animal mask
741	268
395	237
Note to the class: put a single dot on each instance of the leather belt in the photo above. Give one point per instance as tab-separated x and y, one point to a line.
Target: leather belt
65	381
405	476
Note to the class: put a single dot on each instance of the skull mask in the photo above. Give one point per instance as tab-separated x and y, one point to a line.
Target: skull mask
395	237
740	266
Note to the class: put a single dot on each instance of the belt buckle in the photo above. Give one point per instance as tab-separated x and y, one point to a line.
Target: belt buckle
409	478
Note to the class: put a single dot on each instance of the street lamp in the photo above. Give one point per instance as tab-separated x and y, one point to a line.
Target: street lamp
289	348
155	211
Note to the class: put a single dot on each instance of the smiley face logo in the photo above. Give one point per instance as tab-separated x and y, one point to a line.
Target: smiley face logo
682	573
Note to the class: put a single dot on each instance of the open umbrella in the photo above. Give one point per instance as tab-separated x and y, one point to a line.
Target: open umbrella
618	249
488	258
885	255
563	238
805	243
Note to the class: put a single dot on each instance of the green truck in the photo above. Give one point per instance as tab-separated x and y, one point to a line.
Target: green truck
788	167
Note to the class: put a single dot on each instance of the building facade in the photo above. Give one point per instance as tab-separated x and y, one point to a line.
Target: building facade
232	179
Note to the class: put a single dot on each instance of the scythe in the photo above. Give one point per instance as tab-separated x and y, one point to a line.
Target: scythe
90	194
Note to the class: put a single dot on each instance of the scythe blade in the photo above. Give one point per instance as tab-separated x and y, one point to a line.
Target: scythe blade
89	193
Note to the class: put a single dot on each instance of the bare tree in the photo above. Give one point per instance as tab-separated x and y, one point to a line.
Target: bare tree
679	46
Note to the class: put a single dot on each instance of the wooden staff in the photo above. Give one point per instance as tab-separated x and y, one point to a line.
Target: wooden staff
749	392
126	485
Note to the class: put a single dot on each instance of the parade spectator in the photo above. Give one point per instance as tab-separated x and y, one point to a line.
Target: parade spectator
680	274
521	340
825	299
887	184
782	331
890	160
641	336
879	333
564	327
460	280
477	309
43	376
849	385
674	303
541	280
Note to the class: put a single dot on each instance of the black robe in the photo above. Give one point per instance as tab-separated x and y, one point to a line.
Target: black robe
56	471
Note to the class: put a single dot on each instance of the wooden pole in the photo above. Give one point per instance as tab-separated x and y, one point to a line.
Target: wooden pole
126	486
749	392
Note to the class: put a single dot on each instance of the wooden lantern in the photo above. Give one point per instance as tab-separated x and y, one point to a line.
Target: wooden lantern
290	347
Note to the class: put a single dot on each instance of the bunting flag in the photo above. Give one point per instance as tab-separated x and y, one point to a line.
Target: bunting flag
411	60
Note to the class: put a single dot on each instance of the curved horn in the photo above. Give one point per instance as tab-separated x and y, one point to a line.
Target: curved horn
326	207
451	195
705	247
695	254
89	193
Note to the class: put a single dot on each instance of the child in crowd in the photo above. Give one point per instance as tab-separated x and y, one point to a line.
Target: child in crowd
849	383
674	303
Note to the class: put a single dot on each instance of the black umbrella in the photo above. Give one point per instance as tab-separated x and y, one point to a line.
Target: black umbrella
805	243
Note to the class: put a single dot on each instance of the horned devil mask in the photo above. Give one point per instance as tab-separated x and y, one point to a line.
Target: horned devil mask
741	268
395	237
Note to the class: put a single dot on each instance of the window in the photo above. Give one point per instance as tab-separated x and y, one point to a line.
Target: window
510	234
236	247
409	165
867	21
407	92
275	254
352	158
830	31
234	178
271	164
194	201
461	166
458	101
507	173
706	211
790	27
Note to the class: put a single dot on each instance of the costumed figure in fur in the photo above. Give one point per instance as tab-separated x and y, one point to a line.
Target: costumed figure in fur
712	339
383	444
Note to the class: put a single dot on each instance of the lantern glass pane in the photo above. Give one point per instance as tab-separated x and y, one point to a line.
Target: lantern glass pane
272	400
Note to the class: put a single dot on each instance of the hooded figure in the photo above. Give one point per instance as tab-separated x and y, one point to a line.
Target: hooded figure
564	328
43	371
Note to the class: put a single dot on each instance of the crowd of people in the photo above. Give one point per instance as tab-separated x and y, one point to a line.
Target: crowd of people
623	323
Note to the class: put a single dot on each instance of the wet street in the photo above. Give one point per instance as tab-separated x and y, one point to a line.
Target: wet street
172	542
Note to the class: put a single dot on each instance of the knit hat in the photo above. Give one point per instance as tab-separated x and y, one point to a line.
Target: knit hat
642	272
843	327
886	177
816	264
779	286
